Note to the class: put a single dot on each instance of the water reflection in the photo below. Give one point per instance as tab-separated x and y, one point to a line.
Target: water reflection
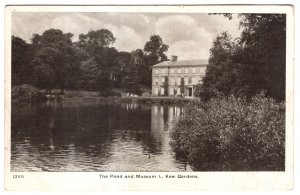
122	137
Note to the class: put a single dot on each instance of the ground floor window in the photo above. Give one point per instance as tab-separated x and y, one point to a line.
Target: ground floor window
171	91
155	91
162	91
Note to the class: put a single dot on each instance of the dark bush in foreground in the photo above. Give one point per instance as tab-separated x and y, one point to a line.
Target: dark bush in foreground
232	134
27	92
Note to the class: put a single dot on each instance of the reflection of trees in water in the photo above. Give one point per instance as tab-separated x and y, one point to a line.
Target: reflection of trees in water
89	131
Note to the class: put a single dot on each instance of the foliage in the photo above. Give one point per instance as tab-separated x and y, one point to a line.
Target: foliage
88	75
93	40
250	64
104	83
55	56
182	86
134	73
27	93
232	134
21	69
166	86
52	61
154	53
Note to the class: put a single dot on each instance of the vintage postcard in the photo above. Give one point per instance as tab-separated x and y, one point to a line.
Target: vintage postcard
177	97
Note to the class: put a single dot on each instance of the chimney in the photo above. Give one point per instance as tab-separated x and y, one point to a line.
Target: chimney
174	58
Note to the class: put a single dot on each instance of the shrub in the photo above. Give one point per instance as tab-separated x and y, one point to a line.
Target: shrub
232	134
27	92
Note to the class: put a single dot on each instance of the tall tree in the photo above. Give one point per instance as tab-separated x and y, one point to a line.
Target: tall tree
182	86
134	72
264	38
253	63
21	56
54	51
95	39
96	46
122	64
88	75
154	53
221	74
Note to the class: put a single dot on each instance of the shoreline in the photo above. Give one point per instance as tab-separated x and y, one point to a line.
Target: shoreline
114	100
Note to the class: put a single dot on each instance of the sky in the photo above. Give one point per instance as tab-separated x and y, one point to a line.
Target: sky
189	35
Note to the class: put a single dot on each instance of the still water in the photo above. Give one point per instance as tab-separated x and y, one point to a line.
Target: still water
101	137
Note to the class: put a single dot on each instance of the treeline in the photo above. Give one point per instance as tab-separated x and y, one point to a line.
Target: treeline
253	63
53	61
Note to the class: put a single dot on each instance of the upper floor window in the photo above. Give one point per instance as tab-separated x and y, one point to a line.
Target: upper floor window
156	82
194	70
172	70
172	81
163	80
156	71
186	71
179	70
185	80
194	80
163	71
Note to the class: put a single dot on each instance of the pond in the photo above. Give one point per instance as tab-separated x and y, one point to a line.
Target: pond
93	137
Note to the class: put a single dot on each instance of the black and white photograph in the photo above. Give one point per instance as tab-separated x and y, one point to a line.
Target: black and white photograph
148	91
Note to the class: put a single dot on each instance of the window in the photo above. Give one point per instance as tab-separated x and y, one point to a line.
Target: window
156	71
171	91
194	80
186	71
190	80
171	81
186	80
155	91
162	91
163	80
156	82
172	70
179	70
194	70
163	71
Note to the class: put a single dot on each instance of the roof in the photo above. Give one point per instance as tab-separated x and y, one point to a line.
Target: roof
202	62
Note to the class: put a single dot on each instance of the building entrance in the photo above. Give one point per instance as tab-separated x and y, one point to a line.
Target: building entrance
190	92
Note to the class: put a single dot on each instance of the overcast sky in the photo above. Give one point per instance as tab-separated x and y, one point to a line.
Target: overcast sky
189	36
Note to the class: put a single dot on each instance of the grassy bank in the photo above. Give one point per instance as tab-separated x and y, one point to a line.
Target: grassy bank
232	134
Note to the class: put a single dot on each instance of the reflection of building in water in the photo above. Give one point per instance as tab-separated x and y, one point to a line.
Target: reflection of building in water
130	106
162	117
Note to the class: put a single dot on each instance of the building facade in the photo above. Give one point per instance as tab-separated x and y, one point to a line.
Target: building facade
177	77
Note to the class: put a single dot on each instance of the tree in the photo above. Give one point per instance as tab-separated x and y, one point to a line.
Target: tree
122	64
88	75
182	86
134	73
104	83
94	39
166	86
154	53
264	38
221	74
251	64
54	52
96	46
21	56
